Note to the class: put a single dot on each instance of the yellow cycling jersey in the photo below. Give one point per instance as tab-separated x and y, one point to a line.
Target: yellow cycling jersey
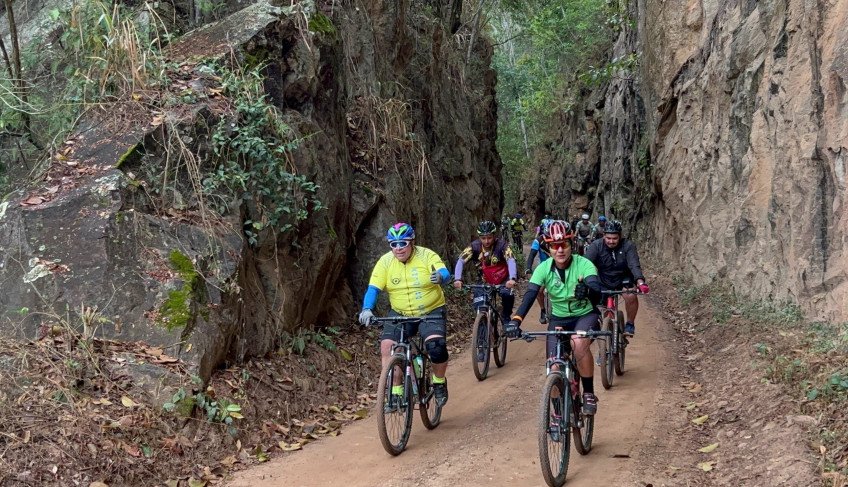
410	291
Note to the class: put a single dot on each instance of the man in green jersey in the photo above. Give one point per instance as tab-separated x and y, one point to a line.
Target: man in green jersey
567	278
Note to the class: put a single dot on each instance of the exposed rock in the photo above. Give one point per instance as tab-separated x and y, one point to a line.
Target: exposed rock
392	125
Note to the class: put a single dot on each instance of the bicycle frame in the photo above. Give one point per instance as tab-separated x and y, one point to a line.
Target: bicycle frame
407	348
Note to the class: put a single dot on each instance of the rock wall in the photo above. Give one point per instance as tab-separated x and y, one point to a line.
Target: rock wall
394	124
725	154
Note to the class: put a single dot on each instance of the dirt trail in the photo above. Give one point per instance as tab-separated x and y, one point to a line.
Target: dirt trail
488	431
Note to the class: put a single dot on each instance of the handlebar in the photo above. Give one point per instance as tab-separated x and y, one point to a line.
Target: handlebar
623	291
487	286
377	321
529	336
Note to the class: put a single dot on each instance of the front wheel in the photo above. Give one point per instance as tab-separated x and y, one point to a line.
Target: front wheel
500	340
430	411
394	412
605	357
554	440
481	340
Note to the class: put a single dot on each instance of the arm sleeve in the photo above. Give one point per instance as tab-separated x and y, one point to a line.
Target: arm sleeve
594	283
513	270
531	258
436	263
527	302
457	270
633	263
370	299
592	253
443	272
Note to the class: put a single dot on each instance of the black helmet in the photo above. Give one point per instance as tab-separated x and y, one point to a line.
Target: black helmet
486	228
613	226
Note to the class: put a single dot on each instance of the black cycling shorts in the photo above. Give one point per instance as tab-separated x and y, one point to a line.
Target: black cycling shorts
586	322
434	323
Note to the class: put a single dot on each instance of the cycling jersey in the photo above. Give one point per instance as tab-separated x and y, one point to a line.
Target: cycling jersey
561	291
542	250
615	265
584	230
518	225
410	291
497	263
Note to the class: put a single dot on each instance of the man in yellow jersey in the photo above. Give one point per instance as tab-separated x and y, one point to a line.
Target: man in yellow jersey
413	276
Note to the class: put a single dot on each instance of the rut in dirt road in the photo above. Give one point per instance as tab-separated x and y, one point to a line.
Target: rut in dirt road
488	434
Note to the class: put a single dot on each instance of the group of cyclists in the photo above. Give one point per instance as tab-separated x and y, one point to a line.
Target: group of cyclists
413	277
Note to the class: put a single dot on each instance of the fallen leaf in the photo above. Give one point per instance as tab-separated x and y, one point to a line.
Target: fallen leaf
33	200
708	448
706	466
361	413
131	449
193	482
822	449
289	446
98	484
127	402
701	419
690	406
345	354
172	483
229	461
102	401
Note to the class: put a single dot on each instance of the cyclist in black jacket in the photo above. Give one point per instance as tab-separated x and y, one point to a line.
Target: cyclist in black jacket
618	262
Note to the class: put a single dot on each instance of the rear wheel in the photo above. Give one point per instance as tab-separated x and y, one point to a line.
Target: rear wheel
481	341
430	411
622	345
554	440
605	355
582	426
500	340
394	413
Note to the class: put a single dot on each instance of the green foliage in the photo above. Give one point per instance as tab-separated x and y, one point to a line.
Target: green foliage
252	150
321	24
216	410
298	342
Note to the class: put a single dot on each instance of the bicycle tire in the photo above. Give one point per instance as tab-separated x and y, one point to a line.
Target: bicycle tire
622	345
501	341
394	441
605	354
428	409
481	345
561	448
582	426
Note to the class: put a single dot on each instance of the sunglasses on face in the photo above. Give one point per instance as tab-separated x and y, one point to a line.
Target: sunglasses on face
399	244
559	245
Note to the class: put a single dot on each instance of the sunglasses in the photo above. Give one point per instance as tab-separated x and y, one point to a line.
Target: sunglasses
399	244
559	245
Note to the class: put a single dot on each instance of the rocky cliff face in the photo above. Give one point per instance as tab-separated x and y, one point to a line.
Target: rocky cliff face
726	152
392	122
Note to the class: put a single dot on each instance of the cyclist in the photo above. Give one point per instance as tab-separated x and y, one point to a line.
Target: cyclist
583	231
495	259
412	276
518	226
598	230
617	262
567	278
505	228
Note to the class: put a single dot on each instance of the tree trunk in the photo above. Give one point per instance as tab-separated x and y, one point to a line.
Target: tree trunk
6	58
18	78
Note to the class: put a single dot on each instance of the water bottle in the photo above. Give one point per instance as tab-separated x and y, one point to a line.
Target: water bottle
418	365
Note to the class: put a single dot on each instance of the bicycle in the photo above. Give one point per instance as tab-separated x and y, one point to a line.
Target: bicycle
611	355
559	411
410	360
487	331
516	240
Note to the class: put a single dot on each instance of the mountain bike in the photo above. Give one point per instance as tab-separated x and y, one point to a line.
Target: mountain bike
487	332
562	407
611	355
410	367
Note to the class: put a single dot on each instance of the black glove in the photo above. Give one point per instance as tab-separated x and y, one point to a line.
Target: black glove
512	329
581	290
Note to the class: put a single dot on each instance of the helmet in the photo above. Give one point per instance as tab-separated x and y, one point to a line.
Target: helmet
585	216
557	231
400	231
602	218
486	228
613	226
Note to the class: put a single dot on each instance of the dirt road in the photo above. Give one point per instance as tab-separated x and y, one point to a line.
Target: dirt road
488	432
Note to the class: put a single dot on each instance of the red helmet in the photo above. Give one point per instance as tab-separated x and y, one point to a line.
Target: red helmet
557	231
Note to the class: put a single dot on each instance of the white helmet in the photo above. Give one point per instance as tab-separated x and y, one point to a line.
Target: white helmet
584	216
